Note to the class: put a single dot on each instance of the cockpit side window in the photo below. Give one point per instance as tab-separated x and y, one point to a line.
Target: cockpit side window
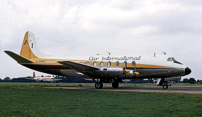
173	59
170	59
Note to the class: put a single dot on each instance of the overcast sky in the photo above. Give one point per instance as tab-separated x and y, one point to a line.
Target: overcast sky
78	27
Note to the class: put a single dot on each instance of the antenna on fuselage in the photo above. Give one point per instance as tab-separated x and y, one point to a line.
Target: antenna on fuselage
164	53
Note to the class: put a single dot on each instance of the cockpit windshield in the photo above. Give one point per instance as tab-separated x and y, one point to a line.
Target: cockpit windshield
174	61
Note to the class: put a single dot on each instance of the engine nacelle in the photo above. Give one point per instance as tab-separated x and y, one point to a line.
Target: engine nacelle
115	71
172	78
112	71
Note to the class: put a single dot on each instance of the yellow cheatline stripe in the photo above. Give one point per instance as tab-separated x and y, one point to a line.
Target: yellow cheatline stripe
40	61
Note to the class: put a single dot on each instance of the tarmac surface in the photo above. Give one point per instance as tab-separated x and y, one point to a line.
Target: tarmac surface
172	89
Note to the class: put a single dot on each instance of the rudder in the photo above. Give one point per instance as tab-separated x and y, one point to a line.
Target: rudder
29	47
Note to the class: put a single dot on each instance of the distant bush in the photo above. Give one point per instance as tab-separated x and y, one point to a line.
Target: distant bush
185	80
192	81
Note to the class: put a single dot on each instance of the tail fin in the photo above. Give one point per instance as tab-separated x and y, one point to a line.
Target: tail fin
34	75
29	48
25	50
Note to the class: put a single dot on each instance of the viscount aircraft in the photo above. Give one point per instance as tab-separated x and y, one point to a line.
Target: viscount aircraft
101	69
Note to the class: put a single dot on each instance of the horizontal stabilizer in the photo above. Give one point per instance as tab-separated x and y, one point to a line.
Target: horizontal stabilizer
17	57
78	66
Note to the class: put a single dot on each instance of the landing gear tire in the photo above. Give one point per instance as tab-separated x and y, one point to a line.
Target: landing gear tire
98	85
115	84
165	87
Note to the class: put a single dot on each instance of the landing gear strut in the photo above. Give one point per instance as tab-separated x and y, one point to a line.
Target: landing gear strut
98	85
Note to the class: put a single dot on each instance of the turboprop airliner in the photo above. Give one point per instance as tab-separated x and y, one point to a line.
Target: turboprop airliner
101	69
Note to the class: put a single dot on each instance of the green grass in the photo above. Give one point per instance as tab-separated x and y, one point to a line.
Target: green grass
12	84
21	99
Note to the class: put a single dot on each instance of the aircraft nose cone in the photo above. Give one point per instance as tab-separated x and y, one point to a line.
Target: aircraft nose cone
187	71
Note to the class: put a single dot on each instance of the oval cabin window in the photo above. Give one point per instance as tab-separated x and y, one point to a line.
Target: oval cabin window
101	63
125	63
117	63
109	63
133	63
94	63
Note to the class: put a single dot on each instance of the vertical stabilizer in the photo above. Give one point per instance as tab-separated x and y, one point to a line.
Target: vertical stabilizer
34	75
29	48
25	50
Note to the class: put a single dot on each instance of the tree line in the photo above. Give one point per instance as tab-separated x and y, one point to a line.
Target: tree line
191	81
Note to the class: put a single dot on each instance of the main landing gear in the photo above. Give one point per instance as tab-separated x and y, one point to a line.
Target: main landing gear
115	84
99	84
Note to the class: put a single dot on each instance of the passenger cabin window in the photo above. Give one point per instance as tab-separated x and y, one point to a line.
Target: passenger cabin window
133	63
117	63
125	63
94	63
87	63
109	63
101	63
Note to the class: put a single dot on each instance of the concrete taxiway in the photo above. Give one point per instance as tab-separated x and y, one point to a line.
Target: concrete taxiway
173	89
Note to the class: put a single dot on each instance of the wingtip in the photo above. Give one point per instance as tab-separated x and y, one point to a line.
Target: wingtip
7	51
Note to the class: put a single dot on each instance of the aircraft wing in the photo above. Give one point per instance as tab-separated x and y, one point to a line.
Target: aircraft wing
78	66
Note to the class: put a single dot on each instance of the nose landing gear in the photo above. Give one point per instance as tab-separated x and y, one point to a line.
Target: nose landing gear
163	83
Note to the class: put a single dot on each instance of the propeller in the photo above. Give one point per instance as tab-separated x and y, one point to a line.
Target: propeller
125	70
134	71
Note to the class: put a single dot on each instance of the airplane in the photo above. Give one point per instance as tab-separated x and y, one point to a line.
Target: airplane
101	69
48	79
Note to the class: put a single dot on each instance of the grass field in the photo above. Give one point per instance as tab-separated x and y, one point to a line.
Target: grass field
13	84
31	99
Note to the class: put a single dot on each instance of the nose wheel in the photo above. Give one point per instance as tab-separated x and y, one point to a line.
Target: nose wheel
165	87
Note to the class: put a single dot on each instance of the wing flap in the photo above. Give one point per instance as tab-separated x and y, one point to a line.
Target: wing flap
18	58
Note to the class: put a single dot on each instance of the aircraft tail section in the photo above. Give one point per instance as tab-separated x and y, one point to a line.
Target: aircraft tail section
29	48
18	58
34	75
